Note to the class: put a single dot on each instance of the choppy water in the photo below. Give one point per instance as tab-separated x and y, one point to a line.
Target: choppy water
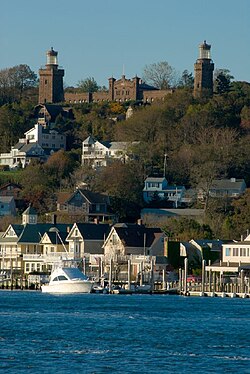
41	333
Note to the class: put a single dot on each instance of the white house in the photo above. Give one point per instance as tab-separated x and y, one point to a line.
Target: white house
45	137
235	257
98	153
39	143
158	187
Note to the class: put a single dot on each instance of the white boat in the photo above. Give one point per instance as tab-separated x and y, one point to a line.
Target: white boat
65	280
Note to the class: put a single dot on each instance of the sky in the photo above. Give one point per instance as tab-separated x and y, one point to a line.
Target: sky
104	38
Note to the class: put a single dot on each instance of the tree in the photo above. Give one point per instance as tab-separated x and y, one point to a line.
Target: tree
161	75
15	81
187	80
88	85
58	166
222	81
123	183
39	193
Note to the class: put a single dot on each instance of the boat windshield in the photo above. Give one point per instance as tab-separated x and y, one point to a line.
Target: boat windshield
74	273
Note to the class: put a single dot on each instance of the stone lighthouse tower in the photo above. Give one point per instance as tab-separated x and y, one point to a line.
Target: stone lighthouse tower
203	72
51	80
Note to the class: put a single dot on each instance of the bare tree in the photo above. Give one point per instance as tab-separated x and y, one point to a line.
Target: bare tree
161	75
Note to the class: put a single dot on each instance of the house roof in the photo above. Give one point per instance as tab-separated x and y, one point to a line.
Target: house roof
62	197
6	199
192	252
89	140
172	212
92	197
57	238
13	185
227	184
32	233
27	147
134	235
93	231
207	243
155	179
30	210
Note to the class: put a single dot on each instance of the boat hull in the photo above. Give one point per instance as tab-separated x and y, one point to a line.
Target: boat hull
68	287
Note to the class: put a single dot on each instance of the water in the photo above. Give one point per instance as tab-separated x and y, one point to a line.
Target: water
91	333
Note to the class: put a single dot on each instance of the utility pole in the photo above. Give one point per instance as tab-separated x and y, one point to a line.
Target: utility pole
165	165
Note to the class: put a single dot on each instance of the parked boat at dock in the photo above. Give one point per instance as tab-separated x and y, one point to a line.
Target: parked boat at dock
65	280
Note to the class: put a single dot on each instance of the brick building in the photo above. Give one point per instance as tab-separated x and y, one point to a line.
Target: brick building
203	72
51	80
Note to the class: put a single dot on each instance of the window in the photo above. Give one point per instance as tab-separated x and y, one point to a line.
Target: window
235	251
61	278
228	251
243	252
27	267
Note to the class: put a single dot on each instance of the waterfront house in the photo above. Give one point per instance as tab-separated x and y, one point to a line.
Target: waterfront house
210	250
235	258
86	242
133	239
23	246
87	238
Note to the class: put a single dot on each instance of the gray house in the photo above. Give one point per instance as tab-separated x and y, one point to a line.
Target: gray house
86	203
231	188
7	206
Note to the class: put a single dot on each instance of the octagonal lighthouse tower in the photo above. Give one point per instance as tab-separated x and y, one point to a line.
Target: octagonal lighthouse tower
203	72
51	80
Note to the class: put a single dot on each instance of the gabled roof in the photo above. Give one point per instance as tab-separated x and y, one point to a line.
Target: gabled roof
94	197
30	210
89	140
14	185
93	231
27	147
32	233
57	238
134	235
17	229
91	197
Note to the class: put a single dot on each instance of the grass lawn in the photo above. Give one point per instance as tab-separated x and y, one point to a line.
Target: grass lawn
10	176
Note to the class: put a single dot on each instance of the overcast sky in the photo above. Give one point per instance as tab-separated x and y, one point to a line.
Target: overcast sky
100	38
